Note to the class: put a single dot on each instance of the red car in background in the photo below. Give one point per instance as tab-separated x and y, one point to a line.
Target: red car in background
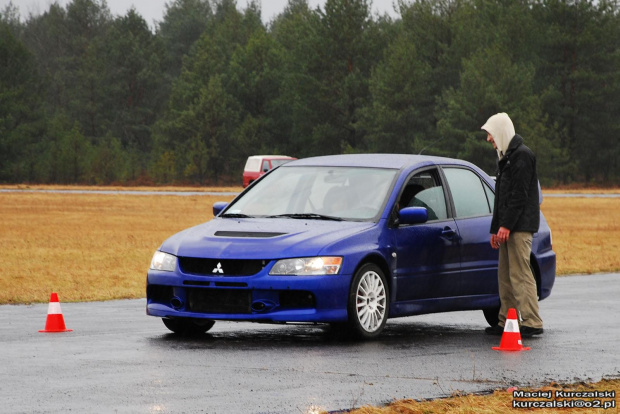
257	165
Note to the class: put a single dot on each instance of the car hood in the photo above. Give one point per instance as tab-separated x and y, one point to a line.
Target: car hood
261	238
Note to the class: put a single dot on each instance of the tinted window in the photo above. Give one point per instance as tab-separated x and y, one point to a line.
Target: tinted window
425	190
468	193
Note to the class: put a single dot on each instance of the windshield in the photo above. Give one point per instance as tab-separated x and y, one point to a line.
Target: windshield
317	192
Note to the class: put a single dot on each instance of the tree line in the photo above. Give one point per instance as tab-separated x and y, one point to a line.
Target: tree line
88	97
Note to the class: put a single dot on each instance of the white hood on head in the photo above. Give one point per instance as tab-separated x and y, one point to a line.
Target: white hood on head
501	128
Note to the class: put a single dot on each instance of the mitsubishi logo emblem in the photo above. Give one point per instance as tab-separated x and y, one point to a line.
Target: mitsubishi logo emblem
218	269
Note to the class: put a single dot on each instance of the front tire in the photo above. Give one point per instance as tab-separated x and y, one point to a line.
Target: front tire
187	326
368	304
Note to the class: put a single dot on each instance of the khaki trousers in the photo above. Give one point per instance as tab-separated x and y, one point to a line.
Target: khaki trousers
517	286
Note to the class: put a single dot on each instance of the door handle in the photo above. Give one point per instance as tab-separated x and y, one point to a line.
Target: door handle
448	231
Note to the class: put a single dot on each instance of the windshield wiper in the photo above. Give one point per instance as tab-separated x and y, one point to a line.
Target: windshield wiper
236	215
311	216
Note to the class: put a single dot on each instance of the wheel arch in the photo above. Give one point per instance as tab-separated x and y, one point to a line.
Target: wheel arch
378	260
365	319
536	271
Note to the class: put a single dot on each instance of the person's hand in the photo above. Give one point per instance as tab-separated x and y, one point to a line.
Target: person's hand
494	241
502	235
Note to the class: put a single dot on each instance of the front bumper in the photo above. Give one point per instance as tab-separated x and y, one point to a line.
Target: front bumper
260	298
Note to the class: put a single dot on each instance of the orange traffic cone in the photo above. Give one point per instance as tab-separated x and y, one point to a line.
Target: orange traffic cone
511	338
55	322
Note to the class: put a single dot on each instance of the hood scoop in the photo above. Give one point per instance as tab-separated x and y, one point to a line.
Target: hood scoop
251	234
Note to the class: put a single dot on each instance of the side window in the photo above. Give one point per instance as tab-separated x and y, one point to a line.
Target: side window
265	166
424	190
468	193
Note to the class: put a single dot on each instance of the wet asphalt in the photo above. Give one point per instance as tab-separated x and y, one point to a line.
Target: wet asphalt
118	360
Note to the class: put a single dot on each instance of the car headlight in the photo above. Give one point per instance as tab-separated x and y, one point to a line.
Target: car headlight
305	266
163	261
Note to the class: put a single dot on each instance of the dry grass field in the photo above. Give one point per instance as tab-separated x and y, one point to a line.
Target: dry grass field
499	402
63	187
98	247
87	246
586	233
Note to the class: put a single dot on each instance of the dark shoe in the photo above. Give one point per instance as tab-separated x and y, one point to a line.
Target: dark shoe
527	332
494	330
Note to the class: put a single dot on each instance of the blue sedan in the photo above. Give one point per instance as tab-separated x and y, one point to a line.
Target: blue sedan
344	239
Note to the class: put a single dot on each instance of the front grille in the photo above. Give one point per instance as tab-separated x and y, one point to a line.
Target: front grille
219	300
216	267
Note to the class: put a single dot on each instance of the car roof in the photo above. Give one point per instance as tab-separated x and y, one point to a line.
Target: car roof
270	156
391	161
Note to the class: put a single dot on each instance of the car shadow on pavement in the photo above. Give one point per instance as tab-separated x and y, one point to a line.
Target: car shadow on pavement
300	336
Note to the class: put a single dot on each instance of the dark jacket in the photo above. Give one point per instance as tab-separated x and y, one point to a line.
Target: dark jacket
516	190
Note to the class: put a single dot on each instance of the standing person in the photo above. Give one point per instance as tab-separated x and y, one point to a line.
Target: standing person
516	217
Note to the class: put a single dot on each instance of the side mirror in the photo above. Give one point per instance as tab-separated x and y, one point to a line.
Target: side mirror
413	215
218	207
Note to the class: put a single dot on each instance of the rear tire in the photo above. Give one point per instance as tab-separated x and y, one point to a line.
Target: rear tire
491	315
368	305
187	326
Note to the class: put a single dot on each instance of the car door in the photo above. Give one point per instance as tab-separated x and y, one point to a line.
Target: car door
427	254
472	199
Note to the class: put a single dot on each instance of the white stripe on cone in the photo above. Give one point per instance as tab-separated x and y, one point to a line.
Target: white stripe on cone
511	326
54	308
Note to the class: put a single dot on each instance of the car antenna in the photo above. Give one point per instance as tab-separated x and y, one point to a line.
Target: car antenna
431	144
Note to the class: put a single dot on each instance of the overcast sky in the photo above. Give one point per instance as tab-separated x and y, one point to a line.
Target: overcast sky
153	10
